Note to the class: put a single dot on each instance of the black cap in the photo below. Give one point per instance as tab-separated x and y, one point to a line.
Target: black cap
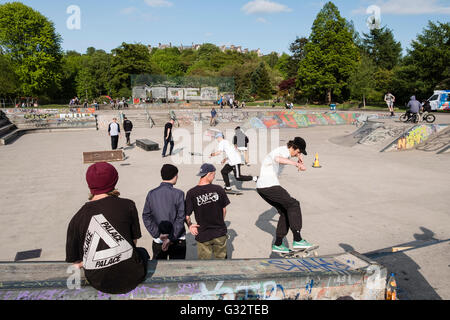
168	172
300	143
205	169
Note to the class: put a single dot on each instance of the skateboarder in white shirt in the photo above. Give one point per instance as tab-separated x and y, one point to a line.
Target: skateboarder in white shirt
234	162
269	188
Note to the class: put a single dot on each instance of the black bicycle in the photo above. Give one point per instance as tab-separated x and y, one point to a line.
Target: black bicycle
418	117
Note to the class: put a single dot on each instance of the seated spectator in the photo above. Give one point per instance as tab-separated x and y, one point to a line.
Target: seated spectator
102	236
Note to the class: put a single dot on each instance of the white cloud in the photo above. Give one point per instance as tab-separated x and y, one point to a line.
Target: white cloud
408	7
261	20
264	6
159	3
129	10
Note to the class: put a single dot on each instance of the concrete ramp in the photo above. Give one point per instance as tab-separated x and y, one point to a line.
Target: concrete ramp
419	137
354	138
440	143
342	276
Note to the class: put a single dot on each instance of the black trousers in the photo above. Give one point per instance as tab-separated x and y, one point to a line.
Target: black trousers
288	208
166	143
114	142
177	251
237	173
127	135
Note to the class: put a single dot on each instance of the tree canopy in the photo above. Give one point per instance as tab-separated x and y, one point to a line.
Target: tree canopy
29	39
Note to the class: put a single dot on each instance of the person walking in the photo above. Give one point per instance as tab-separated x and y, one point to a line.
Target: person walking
233	162
127	127
164	217
114	132
390	99
209	203
168	138
269	188
241	141
103	234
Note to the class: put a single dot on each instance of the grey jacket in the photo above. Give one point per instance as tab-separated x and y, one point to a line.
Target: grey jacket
165	204
414	105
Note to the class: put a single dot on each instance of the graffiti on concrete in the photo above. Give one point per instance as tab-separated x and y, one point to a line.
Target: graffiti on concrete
295	119
439	143
414	137
381	134
309	265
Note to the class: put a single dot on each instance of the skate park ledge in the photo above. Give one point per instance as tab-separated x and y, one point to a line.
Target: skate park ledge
346	276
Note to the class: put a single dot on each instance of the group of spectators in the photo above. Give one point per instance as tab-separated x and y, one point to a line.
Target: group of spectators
230	102
102	237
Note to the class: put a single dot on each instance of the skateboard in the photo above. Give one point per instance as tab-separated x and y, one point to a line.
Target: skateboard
302	253
234	193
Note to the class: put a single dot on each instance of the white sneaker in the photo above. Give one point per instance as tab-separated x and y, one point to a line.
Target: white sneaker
255	179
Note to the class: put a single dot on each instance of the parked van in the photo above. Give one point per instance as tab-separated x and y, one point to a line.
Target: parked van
440	100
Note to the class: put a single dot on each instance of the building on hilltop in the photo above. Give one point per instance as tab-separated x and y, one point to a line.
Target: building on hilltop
196	47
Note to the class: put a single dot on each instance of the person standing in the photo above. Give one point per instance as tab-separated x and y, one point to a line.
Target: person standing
213	121
127	127
114	132
103	234
209	203
233	162
390	99
168	138
269	188
164	217
241	141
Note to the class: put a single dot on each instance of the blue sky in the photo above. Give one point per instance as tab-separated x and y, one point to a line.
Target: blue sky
270	25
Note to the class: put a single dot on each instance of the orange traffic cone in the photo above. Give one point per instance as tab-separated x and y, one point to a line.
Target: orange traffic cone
316	162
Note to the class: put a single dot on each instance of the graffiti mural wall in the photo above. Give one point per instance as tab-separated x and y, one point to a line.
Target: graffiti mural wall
295	119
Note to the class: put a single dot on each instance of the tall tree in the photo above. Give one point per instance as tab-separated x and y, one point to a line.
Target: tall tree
331	57
129	60
169	61
8	79
381	46
427	64
261	85
297	48
29	39
362	81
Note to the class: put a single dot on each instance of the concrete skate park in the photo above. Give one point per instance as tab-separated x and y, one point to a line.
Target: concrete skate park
369	197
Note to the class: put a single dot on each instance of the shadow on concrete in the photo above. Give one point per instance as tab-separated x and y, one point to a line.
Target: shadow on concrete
238	184
231	236
191	244
264	223
411	283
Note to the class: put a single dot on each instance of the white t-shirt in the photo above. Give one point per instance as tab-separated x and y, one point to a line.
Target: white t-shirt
234	158
270	169
114	129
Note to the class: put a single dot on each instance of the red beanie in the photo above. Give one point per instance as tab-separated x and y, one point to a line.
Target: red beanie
101	178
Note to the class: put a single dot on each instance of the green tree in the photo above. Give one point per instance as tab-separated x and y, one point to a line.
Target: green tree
8	79
331	57
271	59
128	60
71	65
30	41
297	48
169	61
381	46
362	81
260	81
426	67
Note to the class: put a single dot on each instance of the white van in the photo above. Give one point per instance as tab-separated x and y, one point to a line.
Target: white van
440	100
